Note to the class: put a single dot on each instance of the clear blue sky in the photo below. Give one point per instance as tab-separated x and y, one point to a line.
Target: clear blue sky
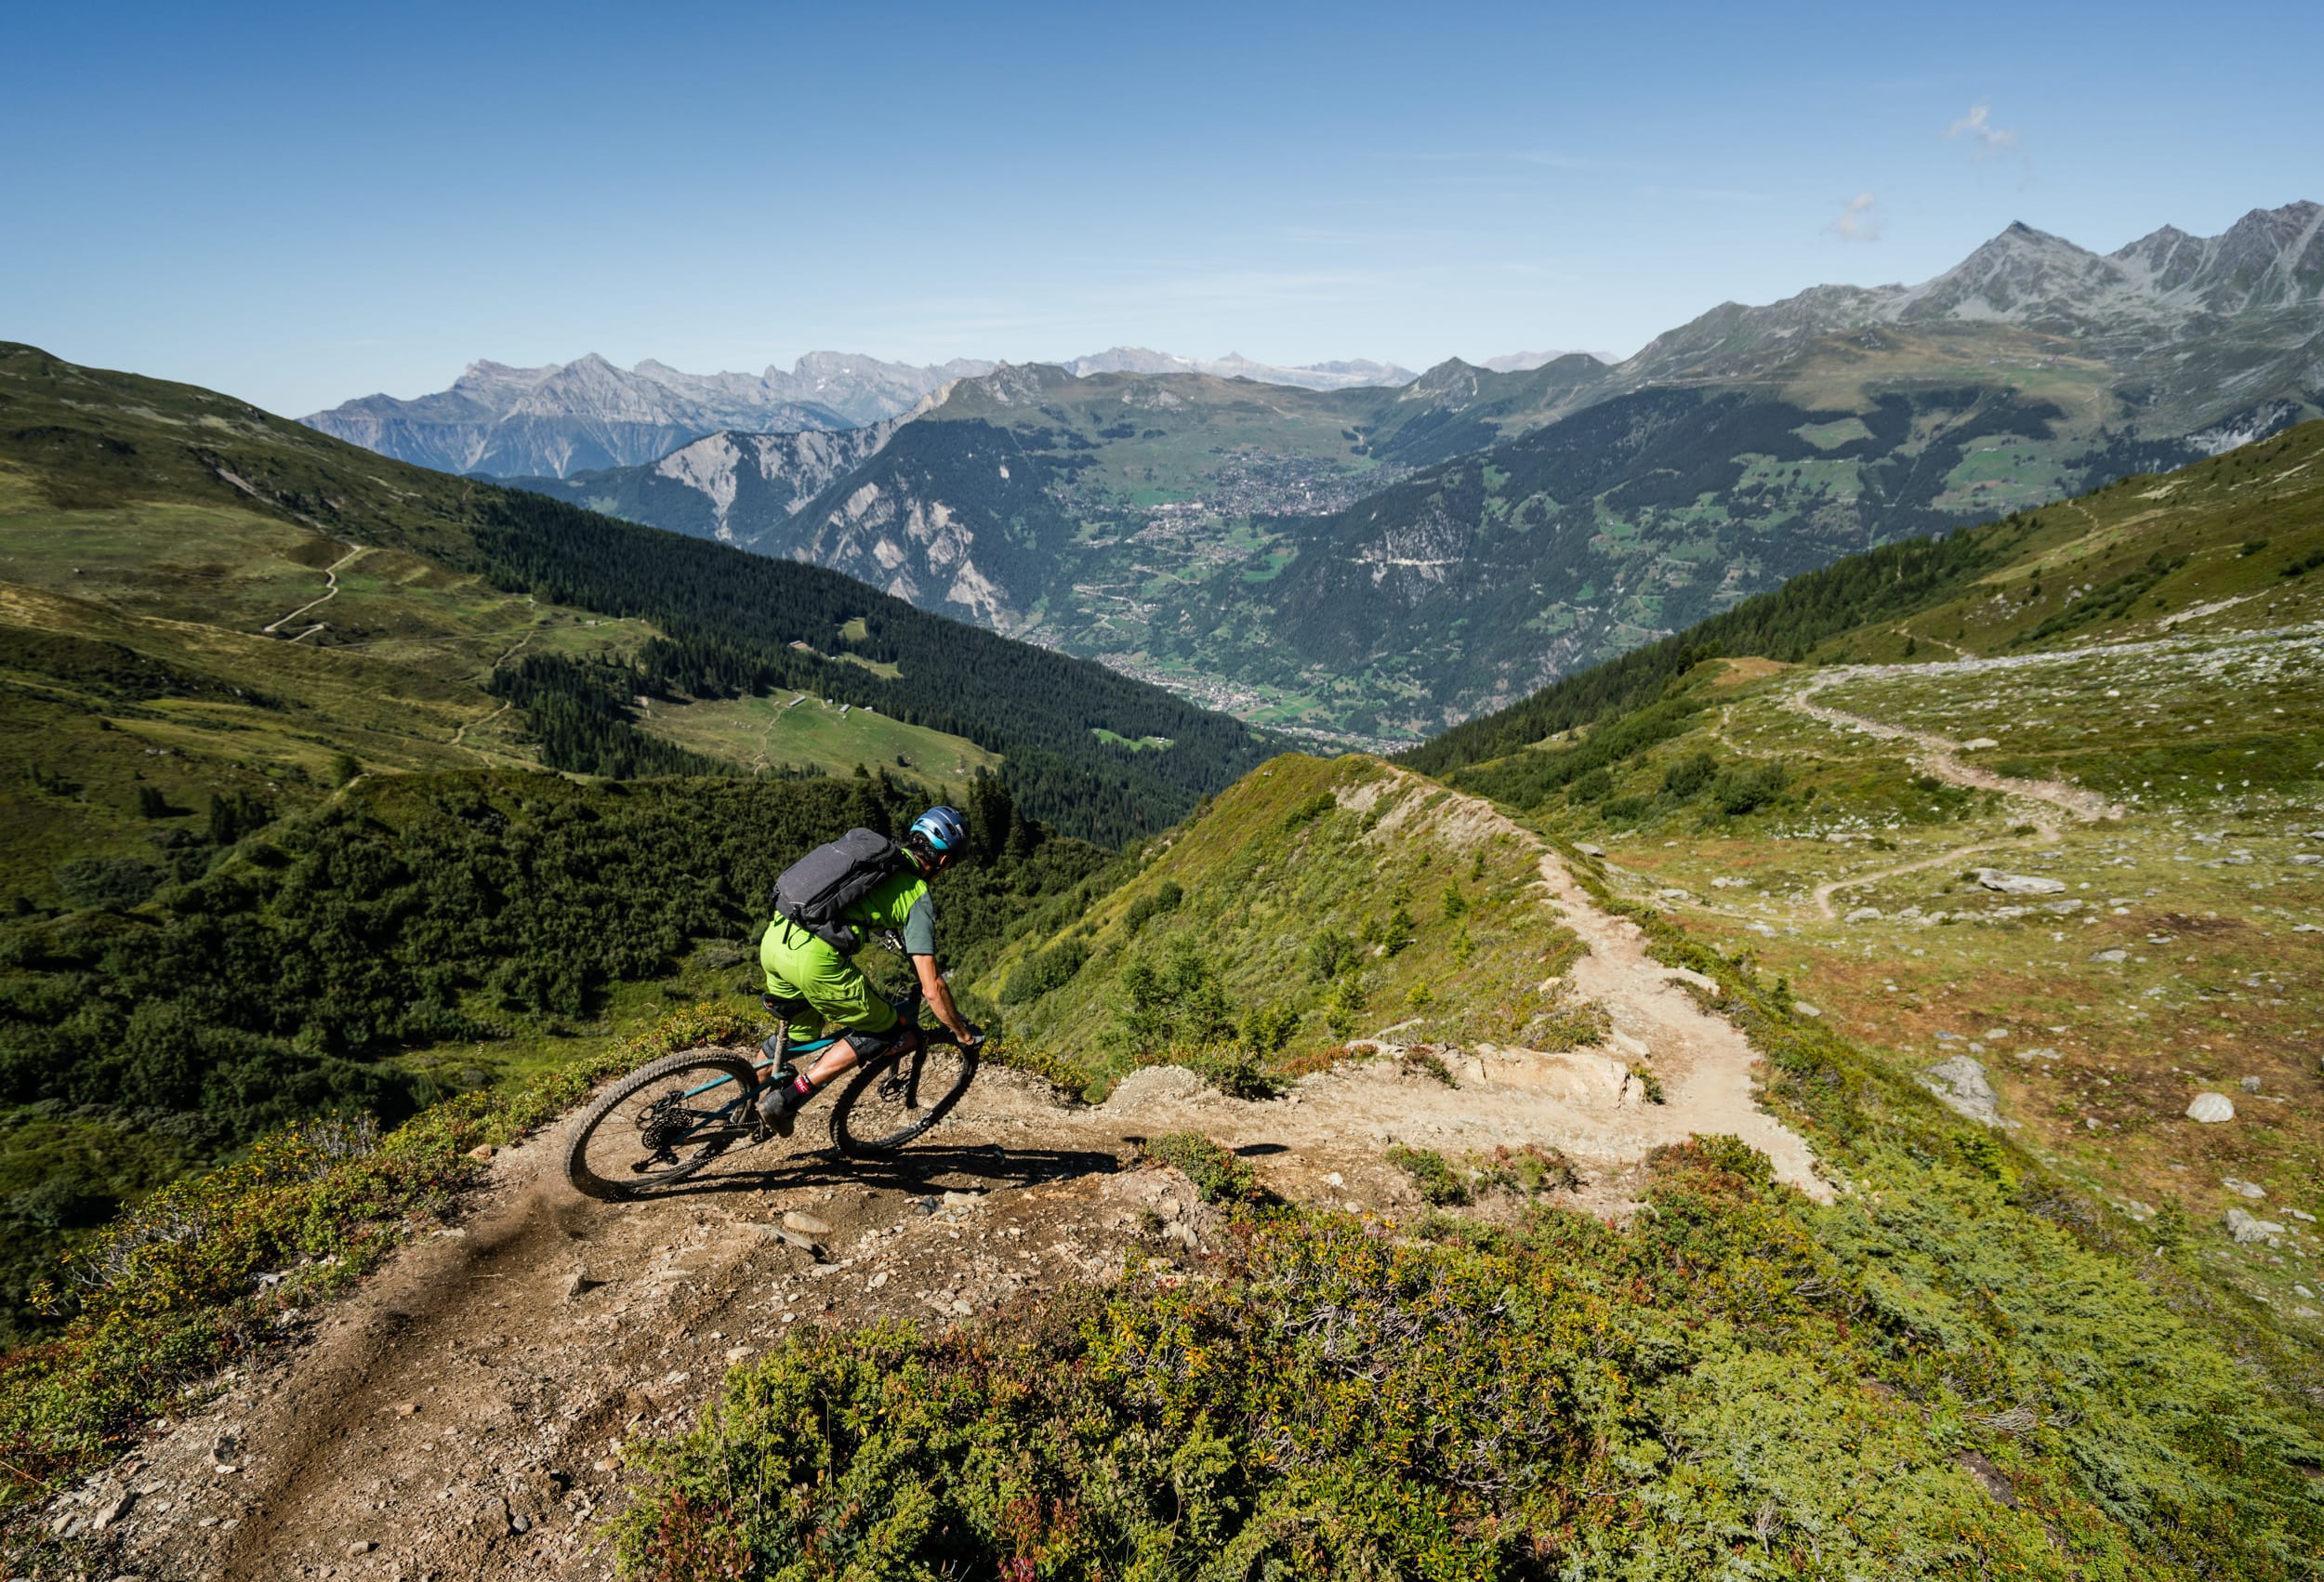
304	203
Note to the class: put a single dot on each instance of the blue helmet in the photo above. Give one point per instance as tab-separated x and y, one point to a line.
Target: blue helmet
945	832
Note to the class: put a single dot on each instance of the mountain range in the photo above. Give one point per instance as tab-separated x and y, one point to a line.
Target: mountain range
569	418
1379	562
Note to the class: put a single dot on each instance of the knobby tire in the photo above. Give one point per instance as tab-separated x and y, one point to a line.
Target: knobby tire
608	1154
854	1114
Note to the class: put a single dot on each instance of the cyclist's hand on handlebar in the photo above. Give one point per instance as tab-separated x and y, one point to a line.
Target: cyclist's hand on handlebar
970	1036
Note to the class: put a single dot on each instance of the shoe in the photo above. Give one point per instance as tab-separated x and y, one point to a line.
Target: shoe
778	1106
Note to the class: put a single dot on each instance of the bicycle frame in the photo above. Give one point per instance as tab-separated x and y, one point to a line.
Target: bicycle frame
907	1009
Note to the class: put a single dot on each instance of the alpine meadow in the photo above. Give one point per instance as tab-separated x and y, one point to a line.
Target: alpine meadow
1698	954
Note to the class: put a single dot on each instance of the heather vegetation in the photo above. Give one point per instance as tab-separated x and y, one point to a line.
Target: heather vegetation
1932	1376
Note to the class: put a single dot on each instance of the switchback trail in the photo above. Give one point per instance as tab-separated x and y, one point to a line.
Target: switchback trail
469	1412
331	591
1938	755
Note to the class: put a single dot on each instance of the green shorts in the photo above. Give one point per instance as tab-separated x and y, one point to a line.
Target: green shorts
800	966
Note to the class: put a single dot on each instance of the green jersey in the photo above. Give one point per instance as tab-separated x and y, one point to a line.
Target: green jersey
900	901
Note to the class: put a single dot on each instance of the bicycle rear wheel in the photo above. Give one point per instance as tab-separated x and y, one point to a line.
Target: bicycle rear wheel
661	1123
890	1101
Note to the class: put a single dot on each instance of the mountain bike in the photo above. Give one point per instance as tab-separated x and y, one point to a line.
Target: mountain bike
666	1120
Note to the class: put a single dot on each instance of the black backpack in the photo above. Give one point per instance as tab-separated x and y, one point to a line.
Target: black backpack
814	890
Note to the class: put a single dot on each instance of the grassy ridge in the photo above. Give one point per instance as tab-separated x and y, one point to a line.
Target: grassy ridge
1317	901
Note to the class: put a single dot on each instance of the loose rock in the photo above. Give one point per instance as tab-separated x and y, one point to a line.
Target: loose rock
2016	884
2210	1108
1960	1085
2247	1230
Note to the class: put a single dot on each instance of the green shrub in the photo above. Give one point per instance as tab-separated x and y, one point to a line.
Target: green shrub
1220	1176
1037	975
1595	785
1345	1003
1267	1028
1527	1172
1176	1001
1329	954
108	881
1162	900
1687	777
1310	809
1440	1188
1748	789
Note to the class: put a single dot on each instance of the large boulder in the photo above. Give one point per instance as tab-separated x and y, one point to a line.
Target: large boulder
2017	884
2247	1230
1960	1085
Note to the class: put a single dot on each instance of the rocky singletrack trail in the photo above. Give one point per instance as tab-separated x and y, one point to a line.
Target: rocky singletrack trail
1940	756
472	1411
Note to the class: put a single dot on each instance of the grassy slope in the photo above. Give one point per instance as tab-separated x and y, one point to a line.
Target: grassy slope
1975	592
174	504
1301	848
2185	956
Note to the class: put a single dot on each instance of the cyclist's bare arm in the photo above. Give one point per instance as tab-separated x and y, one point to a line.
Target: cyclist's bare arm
939	997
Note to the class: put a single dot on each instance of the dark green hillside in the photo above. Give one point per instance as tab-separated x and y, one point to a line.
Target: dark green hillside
1640	516
115	467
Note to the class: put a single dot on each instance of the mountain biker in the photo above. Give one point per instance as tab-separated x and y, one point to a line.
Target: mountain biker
805	970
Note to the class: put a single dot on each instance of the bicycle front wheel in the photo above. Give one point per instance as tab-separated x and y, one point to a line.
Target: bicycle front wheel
898	1097
661	1123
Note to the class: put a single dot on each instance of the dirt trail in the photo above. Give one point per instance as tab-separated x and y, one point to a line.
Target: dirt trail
331	591
1938	755
465	1414
459	737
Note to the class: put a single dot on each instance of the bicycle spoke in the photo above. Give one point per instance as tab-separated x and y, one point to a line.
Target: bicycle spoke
895	1101
661	1123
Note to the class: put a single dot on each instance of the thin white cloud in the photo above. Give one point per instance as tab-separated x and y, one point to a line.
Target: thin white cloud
1986	139
1860	219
